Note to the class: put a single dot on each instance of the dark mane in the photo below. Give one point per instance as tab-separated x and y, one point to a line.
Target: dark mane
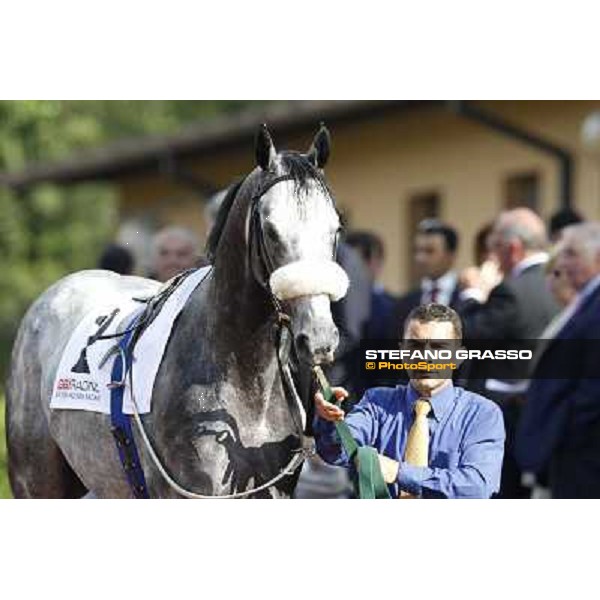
295	164
210	250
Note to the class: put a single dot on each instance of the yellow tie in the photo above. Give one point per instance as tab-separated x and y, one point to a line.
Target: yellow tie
417	445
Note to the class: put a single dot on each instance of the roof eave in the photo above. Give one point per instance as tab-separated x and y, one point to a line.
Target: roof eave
131	156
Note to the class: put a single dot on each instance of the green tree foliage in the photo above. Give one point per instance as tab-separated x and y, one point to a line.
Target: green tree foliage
48	231
4	486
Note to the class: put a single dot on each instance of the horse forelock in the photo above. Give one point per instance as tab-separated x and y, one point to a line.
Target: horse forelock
304	175
303	172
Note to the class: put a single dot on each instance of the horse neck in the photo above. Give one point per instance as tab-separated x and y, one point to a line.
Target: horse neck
240	327
241	304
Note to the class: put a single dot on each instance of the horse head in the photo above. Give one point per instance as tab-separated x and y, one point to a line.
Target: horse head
292	232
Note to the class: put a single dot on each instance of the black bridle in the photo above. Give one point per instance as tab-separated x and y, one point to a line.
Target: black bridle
256	243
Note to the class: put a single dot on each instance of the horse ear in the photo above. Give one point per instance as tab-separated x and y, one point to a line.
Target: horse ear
319	150
264	148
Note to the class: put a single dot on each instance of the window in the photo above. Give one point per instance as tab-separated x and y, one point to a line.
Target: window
522	189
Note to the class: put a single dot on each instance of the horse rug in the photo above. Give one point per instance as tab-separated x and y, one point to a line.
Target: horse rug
81	382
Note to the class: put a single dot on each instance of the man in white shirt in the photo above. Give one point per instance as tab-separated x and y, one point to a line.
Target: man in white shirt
436	244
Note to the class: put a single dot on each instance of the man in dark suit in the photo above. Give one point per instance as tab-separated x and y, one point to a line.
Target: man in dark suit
560	428
515	310
436	244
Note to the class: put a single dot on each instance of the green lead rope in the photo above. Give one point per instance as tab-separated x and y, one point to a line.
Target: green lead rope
370	482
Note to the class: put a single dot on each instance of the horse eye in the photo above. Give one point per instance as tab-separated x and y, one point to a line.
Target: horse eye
271	232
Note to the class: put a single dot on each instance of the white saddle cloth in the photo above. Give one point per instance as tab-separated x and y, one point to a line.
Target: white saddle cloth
89	391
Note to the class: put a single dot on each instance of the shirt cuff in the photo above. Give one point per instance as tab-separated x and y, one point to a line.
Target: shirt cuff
411	478
472	294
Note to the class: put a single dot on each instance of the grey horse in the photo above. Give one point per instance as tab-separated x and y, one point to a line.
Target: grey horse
220	422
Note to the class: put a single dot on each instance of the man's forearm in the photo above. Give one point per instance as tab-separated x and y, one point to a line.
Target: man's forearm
462	482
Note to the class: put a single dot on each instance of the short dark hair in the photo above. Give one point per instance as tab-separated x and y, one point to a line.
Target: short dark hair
437	227
480	246
368	244
563	218
116	258
427	313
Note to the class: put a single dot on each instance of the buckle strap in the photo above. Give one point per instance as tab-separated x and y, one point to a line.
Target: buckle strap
121	423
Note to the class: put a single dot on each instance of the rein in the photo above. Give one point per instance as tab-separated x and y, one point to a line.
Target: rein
370	483
295	462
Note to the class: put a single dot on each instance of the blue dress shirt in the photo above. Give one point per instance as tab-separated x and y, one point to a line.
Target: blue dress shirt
466	442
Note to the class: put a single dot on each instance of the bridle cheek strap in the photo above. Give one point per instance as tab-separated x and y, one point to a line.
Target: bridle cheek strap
309	278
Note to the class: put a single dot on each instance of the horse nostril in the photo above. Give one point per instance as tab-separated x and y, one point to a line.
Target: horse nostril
303	343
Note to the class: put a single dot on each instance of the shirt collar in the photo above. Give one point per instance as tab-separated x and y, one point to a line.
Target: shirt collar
539	258
446	282
589	288
440	401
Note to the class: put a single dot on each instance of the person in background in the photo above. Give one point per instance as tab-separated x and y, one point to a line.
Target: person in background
559	429
561	219
481	247
487	271
436	244
557	282
564	293
175	249
116	258
517	309
518	306
371	249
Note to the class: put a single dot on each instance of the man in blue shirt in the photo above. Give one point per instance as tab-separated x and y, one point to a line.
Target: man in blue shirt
465	430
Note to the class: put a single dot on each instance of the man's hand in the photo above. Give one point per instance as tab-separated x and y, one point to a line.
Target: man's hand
470	278
480	281
328	410
490	274
389	468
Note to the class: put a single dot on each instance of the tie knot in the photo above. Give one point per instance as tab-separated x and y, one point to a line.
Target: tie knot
422	407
